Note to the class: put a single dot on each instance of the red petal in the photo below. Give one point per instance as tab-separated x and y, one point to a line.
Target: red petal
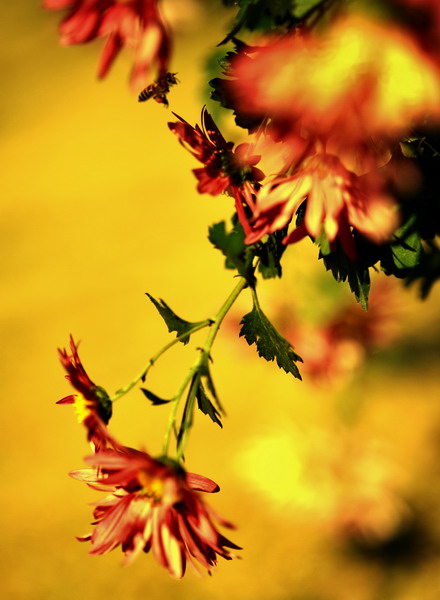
67	399
296	235
201	484
56	4
109	53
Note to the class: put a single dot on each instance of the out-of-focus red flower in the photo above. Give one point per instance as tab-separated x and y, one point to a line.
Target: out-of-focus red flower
356	79
134	24
92	403
153	505
340	345
223	166
370	507
336	200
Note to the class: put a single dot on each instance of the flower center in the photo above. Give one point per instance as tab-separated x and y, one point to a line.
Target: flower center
83	408
152	487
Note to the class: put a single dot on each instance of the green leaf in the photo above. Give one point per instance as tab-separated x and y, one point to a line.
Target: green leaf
359	282
173	322
302	7
427	272
265	15
206	406
231	245
344	269
206	374
155	400
257	329
406	245
270	254
404	252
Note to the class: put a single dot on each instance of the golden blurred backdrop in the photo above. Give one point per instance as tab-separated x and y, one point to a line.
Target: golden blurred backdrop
334	486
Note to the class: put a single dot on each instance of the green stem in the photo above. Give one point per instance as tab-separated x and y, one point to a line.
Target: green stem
173	414
121	392
217	321
187	418
194	377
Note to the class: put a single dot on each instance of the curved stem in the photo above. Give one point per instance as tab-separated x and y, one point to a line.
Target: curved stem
173	414
194	375
217	321
121	392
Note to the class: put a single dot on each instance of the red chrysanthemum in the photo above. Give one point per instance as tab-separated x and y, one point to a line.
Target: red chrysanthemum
153	505
134	24
337	200
223	166
92	403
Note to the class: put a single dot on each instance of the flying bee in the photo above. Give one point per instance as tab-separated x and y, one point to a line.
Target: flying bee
159	89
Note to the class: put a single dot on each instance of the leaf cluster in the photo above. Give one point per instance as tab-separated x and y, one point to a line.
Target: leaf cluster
202	389
201	385
356	272
270	15
413	253
241	257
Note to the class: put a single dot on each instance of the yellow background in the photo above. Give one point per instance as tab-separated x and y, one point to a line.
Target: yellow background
98	207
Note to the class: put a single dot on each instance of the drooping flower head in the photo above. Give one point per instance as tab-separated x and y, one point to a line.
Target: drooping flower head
223	166
133	24
92	403
337	200
153	505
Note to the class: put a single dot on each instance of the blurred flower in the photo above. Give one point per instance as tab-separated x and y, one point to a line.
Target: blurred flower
153	504
340	345
358	78
338	478
223	166
92	404
134	24
337	199
369	504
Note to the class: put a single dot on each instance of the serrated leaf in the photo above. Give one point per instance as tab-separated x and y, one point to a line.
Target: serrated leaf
231	245
206	374
427	272
406	245
257	329
173	322
206	406
344	269
404	252
323	243
359	281
155	400
270	254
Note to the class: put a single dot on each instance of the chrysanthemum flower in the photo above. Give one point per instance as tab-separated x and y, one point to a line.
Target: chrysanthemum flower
223	166
134	24
92	403
358	78
153	505
337	200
